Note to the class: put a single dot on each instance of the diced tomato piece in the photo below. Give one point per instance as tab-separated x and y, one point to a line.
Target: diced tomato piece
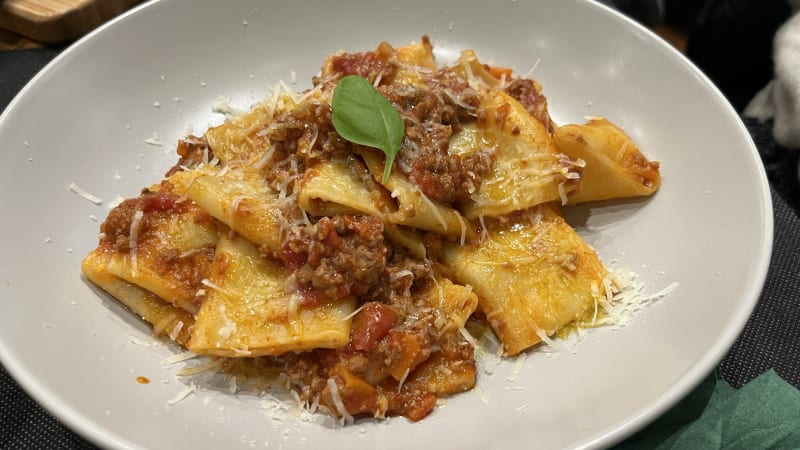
371	325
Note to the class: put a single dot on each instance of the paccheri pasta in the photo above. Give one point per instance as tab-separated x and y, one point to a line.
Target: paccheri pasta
278	241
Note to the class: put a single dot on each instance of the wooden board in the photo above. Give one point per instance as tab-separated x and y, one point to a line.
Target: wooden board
58	21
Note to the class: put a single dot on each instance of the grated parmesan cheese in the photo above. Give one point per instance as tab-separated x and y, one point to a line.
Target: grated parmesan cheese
532	69
471	80
468	337
87	196
436	213
517	368
265	158
209	366
463	230
142	342
482	395
553	343
337	402
562	192
181	357
403	379
222	106
357	310
153	140
457	100
191	389
208	283
133	239
173	334
624	296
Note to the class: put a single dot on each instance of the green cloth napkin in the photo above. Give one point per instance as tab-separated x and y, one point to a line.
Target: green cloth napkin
764	413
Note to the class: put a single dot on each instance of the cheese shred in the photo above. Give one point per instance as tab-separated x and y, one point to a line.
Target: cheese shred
133	239
85	195
336	398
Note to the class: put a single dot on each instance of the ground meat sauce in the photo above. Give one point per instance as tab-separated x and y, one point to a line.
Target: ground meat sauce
395	331
431	116
367	380
299	139
527	93
399	355
156	206
193	150
185	270
325	265
337	257
379	65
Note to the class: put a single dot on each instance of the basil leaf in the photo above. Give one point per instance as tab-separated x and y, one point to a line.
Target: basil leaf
362	115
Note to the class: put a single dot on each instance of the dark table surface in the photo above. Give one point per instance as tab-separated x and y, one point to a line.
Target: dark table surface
771	338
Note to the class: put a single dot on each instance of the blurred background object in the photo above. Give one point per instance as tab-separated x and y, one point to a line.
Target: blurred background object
730	40
31	23
649	13
733	43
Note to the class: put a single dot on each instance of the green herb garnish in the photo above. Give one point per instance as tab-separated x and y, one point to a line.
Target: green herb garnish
363	116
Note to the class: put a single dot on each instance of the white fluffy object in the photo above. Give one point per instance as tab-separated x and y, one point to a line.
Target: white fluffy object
780	99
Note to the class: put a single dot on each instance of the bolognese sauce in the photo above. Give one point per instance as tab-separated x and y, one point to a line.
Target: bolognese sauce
402	353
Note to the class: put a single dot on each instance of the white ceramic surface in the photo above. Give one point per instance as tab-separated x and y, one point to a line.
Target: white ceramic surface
84	119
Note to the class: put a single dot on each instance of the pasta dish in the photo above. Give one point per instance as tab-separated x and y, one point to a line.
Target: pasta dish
347	236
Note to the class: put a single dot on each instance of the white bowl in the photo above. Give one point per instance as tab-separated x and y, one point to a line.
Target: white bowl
160	67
